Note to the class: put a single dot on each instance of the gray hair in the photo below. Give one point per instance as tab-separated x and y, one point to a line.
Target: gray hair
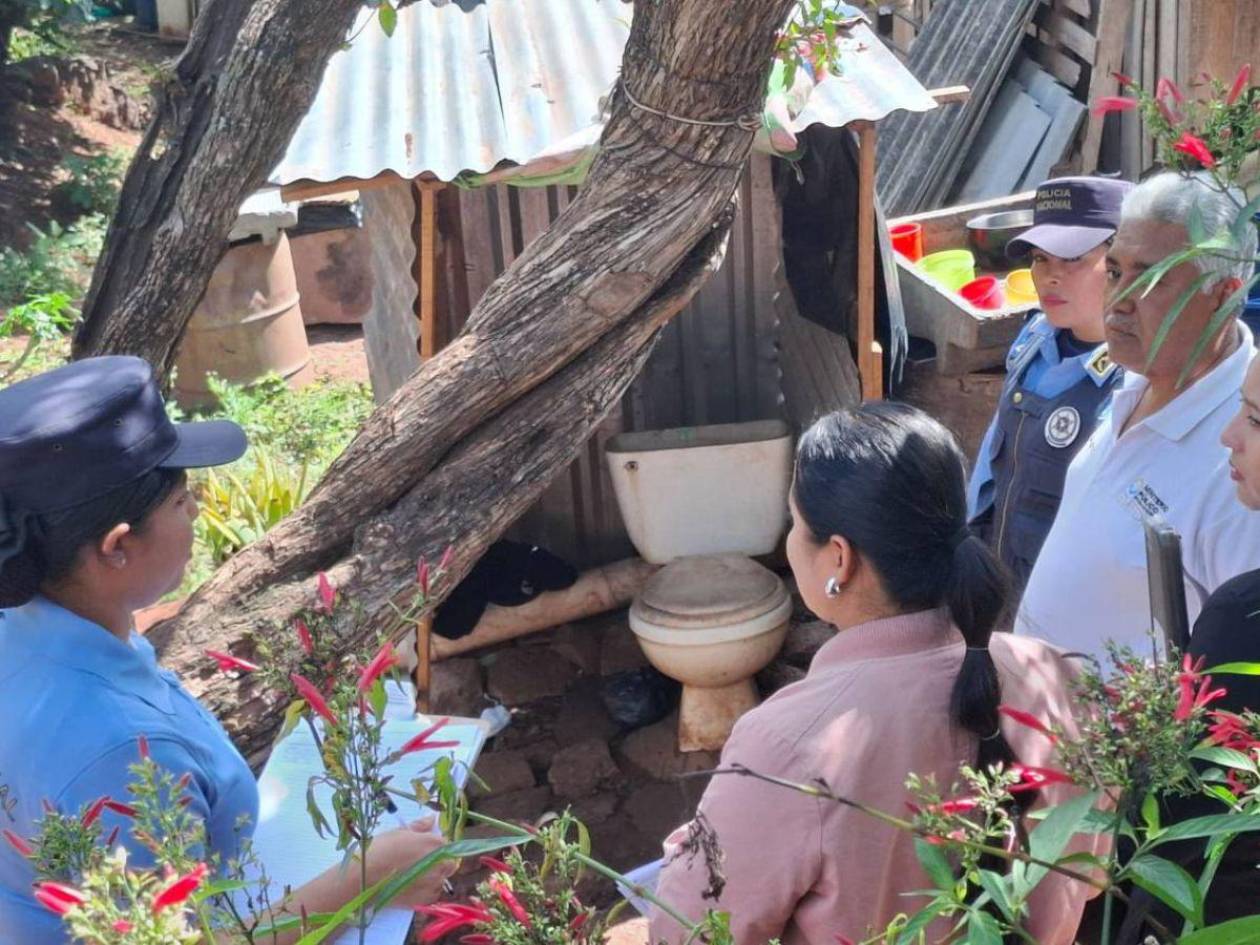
1171	197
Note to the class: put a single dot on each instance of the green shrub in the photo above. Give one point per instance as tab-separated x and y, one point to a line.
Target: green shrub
42	320
95	181
307	427
58	260
238	505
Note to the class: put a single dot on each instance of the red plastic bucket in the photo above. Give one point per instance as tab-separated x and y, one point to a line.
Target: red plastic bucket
985	292
907	239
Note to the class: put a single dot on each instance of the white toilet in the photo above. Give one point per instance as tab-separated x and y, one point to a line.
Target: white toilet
700	500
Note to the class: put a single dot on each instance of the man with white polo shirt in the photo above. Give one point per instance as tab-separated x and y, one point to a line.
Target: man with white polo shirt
1157	452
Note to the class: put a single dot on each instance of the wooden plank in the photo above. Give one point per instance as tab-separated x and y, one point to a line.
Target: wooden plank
535	213
426	275
1113	18
477	220
1066	31
1063	67
950	94
455	261
1131	131
868	360
1082	8
310	189
766	242
742	260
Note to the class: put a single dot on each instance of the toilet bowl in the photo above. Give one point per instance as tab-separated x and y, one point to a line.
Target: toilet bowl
711	622
700	500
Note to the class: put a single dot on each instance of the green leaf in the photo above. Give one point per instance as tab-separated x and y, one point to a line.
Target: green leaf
335	920
1048	838
1245	931
1169	883
312	808
1239	229
1219	318
918	922
216	888
314	919
1235	669
935	865
1196	229
377	698
982	929
1150	814
995	886
388	17
460	849
1226	757
1174	313
1209	826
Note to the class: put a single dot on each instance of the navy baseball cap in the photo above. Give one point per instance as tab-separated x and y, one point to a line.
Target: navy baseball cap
1071	216
91	426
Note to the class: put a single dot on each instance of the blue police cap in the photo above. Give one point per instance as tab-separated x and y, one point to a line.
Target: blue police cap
82	430
1071	216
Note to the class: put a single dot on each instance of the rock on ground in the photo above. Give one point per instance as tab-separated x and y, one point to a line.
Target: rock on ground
502	772
582	769
524	674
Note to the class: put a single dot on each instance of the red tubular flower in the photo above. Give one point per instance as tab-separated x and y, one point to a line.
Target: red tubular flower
508	898
327	593
181	889
122	927
1240	84
304	637
447	555
959	805
422	575
93	813
578	921
1031	778
18	843
118	807
384	659
306	689
113	835
1106	104
477	938
1123	79
143	744
1029	720
1169	87
494	864
58	897
1197	148
421	742
448	916
227	662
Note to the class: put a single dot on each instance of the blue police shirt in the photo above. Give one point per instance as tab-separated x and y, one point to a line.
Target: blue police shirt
74	700
1048	374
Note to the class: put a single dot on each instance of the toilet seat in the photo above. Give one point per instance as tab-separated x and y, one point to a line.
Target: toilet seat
702	600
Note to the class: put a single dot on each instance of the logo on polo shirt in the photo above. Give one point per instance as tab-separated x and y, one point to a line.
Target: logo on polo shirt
1062	427
1144	500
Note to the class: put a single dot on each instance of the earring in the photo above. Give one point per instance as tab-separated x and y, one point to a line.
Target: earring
832	587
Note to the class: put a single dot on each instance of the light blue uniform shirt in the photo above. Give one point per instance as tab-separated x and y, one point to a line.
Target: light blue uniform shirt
74	700
1048	374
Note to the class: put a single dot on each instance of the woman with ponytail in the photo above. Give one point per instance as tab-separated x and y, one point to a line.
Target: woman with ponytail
911	682
96	521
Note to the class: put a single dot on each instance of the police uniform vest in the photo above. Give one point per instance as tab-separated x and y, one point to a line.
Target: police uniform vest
1034	440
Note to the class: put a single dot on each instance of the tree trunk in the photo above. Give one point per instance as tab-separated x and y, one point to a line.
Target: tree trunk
249	73
479	430
465	503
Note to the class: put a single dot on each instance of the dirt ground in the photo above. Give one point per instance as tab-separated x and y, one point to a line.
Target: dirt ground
38	136
337	352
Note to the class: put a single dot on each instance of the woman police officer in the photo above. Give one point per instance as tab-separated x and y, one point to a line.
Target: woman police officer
96	521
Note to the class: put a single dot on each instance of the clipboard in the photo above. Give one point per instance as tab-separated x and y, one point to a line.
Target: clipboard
1167	585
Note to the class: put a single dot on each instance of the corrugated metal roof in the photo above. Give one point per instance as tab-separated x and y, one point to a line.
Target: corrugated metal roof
872	84
458	87
465	86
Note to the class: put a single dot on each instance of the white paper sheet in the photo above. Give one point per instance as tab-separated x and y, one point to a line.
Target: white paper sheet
285	841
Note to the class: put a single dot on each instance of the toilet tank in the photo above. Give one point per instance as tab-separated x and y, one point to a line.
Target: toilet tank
719	489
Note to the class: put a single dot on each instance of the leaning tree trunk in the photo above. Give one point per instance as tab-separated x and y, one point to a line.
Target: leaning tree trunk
480	429
223	119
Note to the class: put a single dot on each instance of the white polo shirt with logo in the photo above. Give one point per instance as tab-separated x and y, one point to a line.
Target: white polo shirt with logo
1089	583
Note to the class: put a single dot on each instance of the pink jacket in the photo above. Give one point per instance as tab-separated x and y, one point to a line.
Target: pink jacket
873	708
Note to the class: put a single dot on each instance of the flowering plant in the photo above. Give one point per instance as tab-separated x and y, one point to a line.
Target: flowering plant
1217	135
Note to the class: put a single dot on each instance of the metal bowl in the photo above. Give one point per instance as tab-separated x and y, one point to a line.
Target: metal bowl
988	234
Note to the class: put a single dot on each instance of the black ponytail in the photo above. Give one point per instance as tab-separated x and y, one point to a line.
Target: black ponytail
54	540
891	481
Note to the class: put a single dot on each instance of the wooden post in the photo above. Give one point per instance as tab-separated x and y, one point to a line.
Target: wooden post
425	271
870	357
1113	32
424	662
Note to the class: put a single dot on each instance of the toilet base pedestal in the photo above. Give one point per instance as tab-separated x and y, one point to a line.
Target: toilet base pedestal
708	715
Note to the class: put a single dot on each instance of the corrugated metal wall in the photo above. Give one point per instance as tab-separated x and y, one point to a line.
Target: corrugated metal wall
716	362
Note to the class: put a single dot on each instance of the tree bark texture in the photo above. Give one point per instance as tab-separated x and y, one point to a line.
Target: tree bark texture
474	436
249	73
466	502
